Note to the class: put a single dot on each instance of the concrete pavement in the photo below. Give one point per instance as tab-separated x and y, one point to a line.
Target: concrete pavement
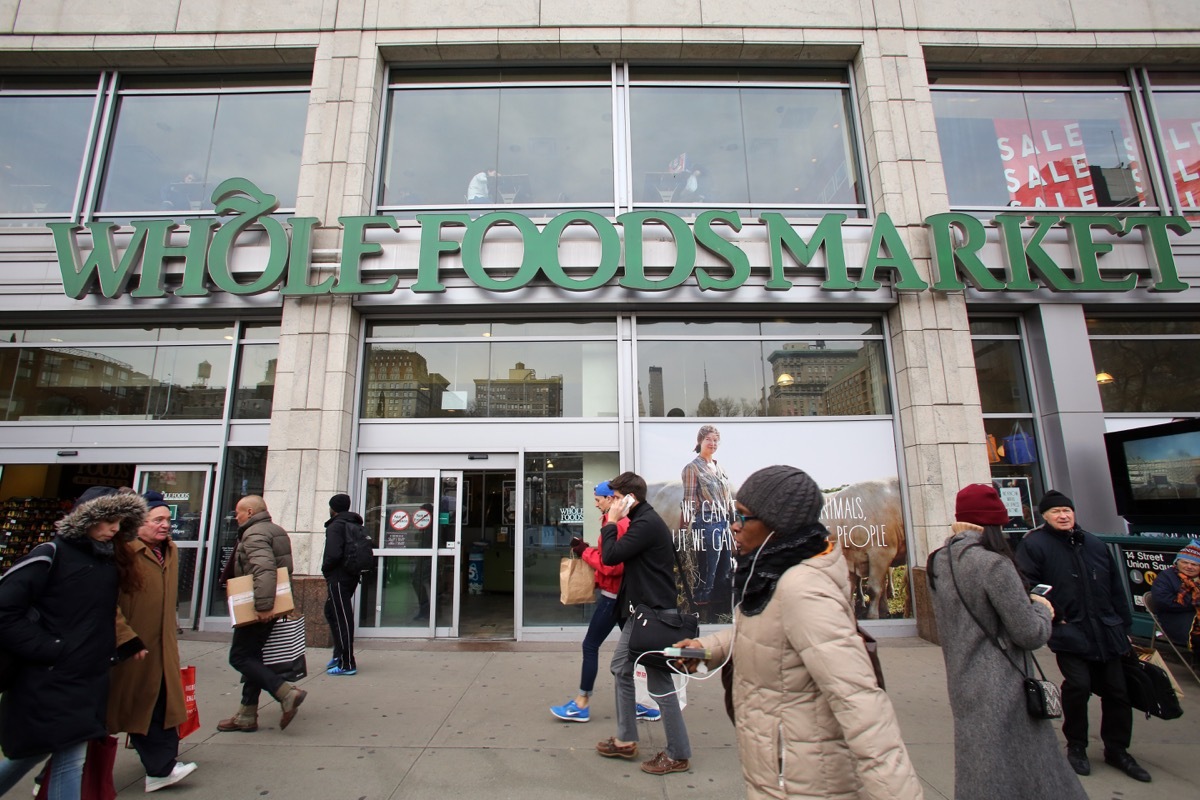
470	720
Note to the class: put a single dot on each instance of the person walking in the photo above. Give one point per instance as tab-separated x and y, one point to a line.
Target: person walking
342	583
978	598
57	607
146	696
648	553
811	718
262	548
1090	632
604	617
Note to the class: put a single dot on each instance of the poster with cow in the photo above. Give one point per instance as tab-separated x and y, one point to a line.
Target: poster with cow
689	466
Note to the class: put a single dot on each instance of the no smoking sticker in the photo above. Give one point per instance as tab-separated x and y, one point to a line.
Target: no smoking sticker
422	518
399	520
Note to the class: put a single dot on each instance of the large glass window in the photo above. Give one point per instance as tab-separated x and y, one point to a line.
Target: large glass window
1028	140
173	144
559	504
746	140
750	369
1177	107
44	128
1008	419
543	138
1146	365
505	372
245	474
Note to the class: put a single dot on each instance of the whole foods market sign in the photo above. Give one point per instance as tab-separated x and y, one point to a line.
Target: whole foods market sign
956	244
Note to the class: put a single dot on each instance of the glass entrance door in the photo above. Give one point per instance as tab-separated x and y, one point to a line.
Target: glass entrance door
415	518
185	488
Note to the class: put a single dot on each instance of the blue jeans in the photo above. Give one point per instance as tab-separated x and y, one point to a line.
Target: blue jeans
66	771
604	619
716	558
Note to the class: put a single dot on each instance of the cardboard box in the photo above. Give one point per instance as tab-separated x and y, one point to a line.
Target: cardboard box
239	593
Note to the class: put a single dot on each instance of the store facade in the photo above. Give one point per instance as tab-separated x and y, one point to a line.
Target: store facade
466	274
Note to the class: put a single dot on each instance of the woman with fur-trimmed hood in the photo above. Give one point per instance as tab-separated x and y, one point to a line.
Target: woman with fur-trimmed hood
57	612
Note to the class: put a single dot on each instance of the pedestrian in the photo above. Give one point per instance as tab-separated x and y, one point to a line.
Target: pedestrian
342	583
262	547
57	607
1175	596
146	697
604	617
648	553
1090	632
978	597
811	718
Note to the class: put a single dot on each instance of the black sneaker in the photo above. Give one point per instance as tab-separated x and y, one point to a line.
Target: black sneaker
1125	763
1078	759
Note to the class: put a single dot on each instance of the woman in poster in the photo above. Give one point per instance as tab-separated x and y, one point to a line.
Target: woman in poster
707	509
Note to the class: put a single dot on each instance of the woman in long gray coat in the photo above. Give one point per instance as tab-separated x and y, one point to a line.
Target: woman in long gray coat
999	750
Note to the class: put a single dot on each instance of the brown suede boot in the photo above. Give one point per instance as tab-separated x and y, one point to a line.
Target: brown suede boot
245	720
290	697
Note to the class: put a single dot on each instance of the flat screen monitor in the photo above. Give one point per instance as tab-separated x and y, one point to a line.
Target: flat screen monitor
1155	471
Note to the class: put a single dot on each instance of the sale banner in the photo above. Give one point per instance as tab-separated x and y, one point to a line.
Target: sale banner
1181	151
1045	163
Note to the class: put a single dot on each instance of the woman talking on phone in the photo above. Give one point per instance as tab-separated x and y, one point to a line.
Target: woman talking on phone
999	749
811	719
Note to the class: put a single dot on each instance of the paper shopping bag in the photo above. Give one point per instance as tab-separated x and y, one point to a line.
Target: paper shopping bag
192	723
641	689
576	582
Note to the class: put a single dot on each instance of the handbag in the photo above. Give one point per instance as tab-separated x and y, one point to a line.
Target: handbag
97	783
1149	688
576	582
284	650
192	723
992	450
656	628
1018	447
1043	699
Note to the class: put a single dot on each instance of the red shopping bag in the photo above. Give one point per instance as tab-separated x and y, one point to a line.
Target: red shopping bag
192	723
97	772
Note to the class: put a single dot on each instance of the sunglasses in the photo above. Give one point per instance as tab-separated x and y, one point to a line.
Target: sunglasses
742	519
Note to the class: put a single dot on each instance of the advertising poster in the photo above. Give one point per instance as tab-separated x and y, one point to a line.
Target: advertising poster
853	463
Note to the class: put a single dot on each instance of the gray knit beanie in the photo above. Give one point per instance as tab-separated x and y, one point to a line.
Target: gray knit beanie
786	499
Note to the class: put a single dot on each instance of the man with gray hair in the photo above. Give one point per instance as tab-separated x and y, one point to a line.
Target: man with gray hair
262	548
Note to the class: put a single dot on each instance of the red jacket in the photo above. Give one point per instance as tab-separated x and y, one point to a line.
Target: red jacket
608	579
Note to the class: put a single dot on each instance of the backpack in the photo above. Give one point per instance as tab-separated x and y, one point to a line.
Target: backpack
10	665
357	555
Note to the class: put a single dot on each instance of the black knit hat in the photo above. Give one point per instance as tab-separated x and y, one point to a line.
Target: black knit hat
339	503
785	498
1054	499
154	500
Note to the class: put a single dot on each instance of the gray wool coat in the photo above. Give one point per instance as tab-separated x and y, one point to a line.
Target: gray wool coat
999	750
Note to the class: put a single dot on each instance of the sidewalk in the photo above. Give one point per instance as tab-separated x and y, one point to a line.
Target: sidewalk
465	720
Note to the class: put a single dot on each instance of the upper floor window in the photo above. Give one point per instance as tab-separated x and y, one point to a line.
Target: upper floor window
1062	141
1176	104
1146	365
119	145
619	138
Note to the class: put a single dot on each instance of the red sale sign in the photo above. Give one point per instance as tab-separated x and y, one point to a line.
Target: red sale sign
1181	151
1045	163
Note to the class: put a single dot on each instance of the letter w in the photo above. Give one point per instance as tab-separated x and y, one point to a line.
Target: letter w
99	267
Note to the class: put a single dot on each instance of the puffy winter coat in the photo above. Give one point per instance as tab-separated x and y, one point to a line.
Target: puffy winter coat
335	547
263	547
1176	611
811	720
148	614
1091	616
57	611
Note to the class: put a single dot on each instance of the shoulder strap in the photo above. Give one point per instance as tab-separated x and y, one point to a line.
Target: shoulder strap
995	639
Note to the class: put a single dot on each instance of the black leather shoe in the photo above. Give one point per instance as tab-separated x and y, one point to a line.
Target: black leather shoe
1125	763
1077	758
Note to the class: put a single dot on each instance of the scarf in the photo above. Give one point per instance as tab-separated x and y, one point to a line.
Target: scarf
1188	588
775	557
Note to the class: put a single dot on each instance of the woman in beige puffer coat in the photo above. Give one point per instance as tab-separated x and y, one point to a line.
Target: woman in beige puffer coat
811	719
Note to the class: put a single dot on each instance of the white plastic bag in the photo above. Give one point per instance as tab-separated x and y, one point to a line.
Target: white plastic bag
641	690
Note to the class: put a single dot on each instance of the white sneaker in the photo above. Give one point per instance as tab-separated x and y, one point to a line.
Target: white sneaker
180	772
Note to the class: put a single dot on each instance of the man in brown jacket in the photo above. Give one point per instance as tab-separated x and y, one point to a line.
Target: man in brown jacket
262	548
145	696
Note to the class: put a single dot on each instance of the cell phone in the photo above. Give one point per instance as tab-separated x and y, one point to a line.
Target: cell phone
627	501
702	653
1041	590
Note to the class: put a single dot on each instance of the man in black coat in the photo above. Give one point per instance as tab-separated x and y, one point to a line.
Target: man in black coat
648	553
1090	633
339	606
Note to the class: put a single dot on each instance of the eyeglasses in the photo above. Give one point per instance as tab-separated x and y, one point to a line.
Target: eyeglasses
742	519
